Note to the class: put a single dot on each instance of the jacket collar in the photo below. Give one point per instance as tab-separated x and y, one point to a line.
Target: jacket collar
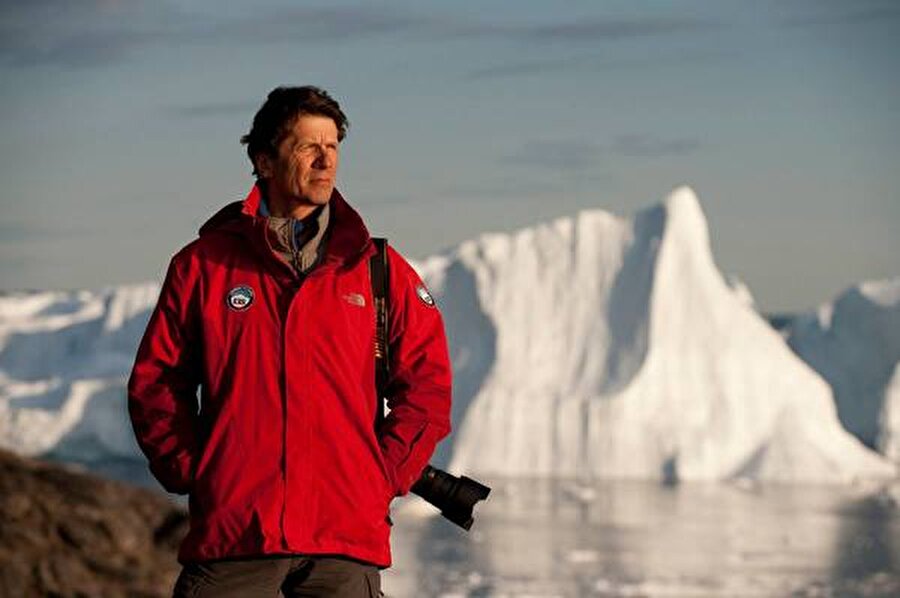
346	238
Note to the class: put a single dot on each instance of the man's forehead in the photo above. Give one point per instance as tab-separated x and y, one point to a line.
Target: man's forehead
313	125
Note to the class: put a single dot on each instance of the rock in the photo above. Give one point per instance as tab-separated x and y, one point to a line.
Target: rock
65	533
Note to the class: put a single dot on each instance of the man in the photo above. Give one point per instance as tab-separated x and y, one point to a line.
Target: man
270	313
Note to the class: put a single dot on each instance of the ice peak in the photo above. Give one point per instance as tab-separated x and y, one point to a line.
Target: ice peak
685	218
683	197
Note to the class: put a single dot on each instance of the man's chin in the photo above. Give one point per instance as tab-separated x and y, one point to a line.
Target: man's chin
320	198
316	199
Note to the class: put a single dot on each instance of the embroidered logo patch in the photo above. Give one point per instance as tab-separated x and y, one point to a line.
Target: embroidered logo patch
240	298
355	299
424	295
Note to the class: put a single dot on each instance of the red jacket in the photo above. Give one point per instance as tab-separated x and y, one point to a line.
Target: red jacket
283	456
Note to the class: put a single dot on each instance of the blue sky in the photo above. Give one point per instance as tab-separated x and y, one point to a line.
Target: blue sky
121	121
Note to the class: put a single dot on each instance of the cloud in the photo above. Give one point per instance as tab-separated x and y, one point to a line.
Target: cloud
525	68
85	34
213	109
78	34
567	155
572	31
53	32
574	155
646	146
337	24
89	49
304	25
594	62
856	15
614	29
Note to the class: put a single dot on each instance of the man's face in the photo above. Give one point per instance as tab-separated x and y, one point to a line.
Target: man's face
304	169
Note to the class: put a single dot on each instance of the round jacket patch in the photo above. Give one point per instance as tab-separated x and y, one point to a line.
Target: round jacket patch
239	298
424	295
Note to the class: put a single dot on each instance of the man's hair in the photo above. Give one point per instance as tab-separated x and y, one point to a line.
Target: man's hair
277	114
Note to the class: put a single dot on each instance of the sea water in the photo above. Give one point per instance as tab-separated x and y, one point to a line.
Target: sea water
565	538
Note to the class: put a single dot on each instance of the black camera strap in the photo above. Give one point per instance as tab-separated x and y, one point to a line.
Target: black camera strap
454	496
378	272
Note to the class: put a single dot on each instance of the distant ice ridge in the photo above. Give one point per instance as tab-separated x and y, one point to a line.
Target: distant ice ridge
597	346
591	346
854	343
64	359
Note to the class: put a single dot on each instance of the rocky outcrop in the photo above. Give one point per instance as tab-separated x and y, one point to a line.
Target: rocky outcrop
66	533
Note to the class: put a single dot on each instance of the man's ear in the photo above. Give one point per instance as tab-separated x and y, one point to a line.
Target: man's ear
264	165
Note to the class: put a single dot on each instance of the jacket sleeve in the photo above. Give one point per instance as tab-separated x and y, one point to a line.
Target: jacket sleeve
162	389
419	387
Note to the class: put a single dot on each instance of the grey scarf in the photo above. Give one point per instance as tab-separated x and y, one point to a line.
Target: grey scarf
301	251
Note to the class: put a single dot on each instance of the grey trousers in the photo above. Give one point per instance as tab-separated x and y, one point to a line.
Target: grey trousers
288	576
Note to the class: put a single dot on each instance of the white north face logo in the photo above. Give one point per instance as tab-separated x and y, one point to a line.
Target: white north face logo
355	299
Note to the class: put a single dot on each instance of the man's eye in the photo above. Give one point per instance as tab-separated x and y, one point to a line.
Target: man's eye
311	148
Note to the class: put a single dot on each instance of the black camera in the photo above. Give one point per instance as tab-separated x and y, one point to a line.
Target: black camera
454	496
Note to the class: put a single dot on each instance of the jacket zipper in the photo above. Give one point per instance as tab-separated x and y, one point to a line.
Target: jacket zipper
283	380
295	285
295	251
294	290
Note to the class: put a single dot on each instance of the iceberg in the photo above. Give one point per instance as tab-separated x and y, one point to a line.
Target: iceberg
853	342
603	347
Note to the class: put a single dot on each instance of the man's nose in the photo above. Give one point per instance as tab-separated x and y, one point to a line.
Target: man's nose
324	160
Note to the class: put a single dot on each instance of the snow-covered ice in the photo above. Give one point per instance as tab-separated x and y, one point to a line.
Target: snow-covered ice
64	359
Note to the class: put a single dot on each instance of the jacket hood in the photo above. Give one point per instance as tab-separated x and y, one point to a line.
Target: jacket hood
346	238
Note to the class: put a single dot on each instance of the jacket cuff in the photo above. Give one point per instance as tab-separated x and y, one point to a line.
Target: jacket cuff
406	473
